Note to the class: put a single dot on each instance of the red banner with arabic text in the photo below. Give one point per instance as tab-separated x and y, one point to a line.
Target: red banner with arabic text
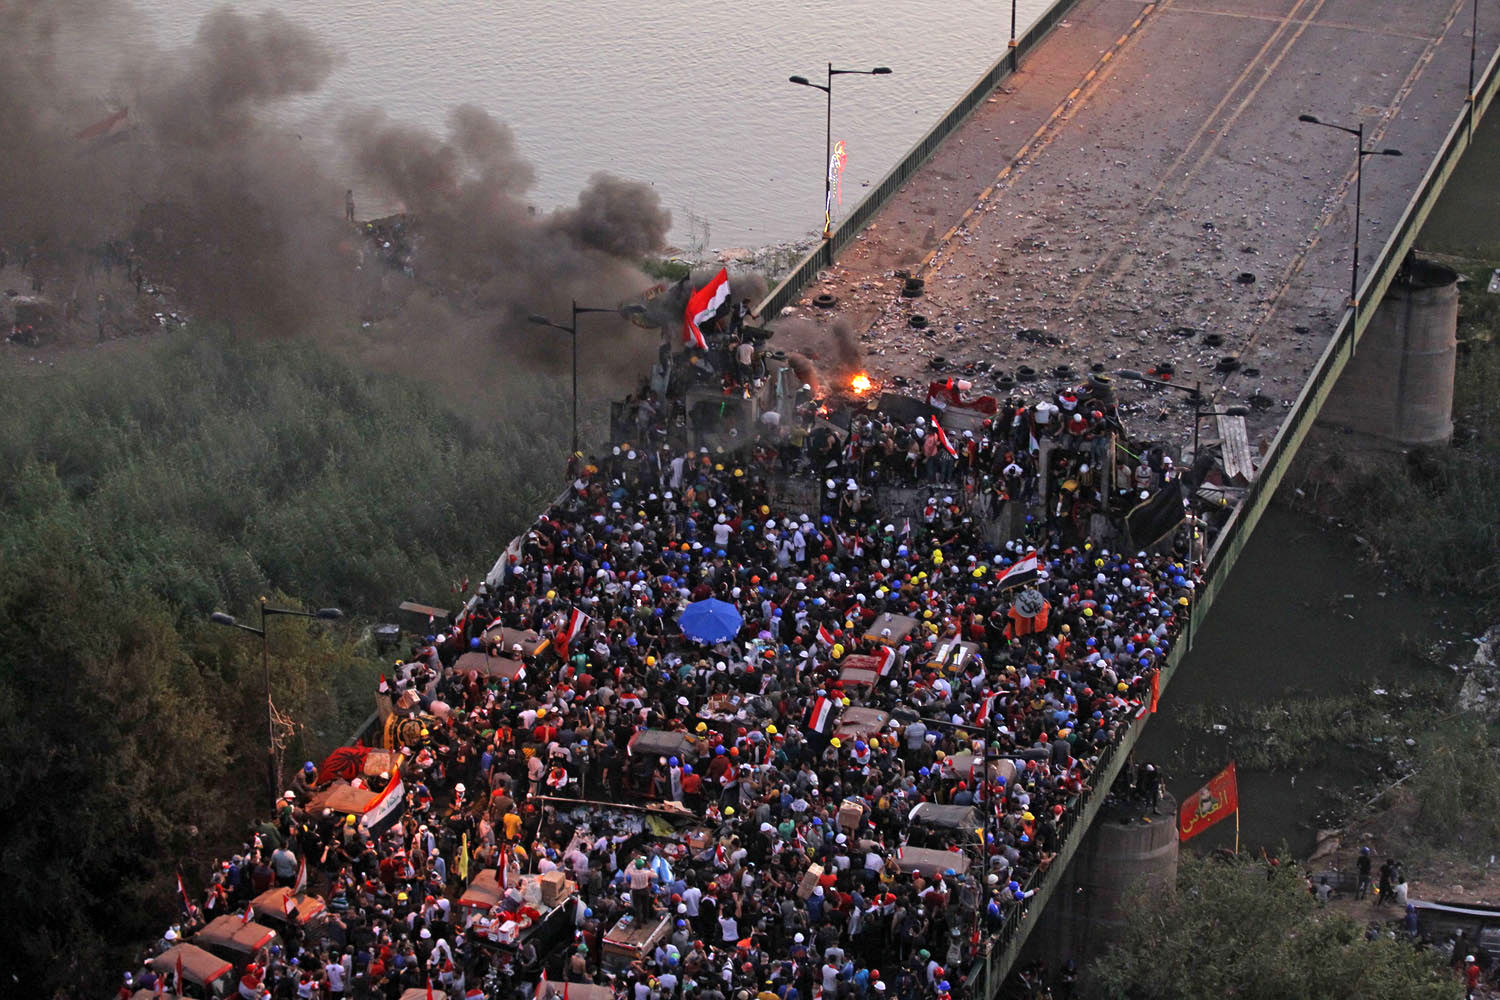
1214	801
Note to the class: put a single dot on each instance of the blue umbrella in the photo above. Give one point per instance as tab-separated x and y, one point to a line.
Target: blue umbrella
710	621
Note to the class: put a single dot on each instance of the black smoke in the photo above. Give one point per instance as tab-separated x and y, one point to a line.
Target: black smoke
236	219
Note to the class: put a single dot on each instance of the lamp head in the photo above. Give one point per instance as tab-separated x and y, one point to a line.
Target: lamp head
800	79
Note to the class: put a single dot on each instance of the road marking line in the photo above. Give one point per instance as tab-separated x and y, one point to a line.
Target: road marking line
1044	135
1124	261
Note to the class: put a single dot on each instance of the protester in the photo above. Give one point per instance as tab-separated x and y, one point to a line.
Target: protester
1066	631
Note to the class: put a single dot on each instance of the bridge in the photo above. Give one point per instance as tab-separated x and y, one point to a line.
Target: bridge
1129	177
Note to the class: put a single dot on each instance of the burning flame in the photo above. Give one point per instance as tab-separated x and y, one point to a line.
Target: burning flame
861	384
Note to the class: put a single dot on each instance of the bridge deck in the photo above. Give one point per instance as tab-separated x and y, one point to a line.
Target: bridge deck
1145	157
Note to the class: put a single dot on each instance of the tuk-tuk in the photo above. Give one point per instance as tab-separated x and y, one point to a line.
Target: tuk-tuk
423	993
545	924
576	991
628	941
859	670
503	667
271	906
890	630
860	723
662	743
484	892
342	798
203	969
930	861
507	639
952	654
234	939
734	709
934	825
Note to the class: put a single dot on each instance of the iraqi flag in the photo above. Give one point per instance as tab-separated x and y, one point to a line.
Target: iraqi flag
820	717
386	807
885	660
982	717
187	906
942	437
825	636
289	904
1020	573
248	915
576	621
701	307
301	884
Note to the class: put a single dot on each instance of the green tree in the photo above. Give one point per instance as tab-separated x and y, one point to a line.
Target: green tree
1239	928
139	492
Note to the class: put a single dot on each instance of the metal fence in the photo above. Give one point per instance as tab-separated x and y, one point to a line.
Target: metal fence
821	256
991	969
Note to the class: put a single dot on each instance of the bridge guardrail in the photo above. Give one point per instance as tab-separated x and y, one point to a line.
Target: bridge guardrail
989	971
821	256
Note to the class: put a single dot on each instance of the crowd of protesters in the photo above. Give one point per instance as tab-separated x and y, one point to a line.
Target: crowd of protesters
1015	732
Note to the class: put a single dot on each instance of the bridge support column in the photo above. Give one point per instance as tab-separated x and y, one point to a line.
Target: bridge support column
1397	390
1098	891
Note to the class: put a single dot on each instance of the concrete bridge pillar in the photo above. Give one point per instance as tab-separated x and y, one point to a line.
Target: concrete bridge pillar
1119	859
1397	390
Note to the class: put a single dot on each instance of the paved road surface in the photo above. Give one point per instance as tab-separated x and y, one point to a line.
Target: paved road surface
1146	157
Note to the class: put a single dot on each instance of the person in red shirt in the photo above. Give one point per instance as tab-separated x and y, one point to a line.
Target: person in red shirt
1471	977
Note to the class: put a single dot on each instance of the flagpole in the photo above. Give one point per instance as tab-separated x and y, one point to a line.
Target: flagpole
1236	831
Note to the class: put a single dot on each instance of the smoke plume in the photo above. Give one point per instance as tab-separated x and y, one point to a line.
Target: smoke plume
230	216
821	354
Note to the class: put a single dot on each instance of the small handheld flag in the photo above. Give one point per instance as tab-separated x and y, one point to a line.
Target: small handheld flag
820	716
942	437
1021	572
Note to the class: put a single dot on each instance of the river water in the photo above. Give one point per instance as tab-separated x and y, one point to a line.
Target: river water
1303	615
690	97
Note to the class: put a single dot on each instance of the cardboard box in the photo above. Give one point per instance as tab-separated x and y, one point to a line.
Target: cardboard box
554	888
809	881
850	816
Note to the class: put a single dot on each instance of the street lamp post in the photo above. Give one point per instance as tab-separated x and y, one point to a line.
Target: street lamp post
827	89
1195	393
1012	36
1359	137
227	620
1473	44
572	331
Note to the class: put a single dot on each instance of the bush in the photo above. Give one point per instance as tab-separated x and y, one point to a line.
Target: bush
1240	928
139	492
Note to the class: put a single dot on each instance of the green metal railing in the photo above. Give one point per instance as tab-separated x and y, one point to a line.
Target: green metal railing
821	256
991	969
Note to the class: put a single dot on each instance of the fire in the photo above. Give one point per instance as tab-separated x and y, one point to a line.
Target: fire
861	384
